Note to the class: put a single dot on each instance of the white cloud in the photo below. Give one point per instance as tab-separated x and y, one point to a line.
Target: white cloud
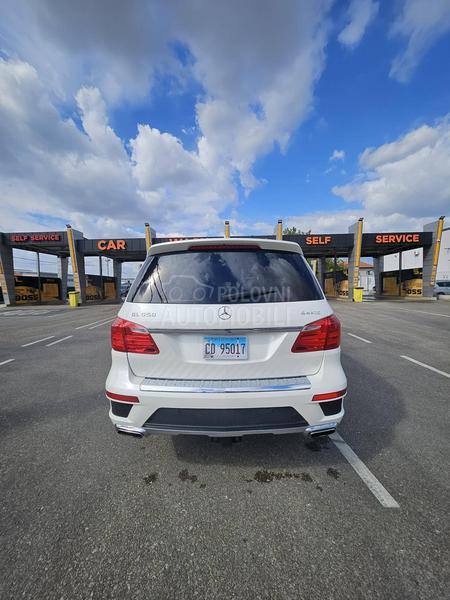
179	186
339	221
421	22
259	82
360	14
401	186
410	143
86	177
410	176
256	62
114	45
337	155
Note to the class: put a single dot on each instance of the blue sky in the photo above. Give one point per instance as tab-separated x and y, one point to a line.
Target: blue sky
186	113
357	105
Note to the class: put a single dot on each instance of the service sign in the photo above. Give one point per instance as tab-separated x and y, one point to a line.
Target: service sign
318	240
36	238
322	240
397	238
406	239
121	248
103	245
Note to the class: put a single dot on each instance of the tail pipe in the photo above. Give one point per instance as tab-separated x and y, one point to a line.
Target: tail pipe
131	430
318	430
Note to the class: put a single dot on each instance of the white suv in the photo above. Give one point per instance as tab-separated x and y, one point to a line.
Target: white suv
226	337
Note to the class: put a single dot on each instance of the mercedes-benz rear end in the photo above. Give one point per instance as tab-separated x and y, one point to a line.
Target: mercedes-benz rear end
226	337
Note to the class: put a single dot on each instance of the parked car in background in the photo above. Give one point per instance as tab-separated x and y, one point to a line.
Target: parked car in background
442	288
226	337
124	289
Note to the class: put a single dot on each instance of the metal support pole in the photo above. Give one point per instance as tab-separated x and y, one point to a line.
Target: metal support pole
62	274
117	272
102	293
7	281
74	261
39	277
280	229
148	237
320	271
399	273
355	257
335	273
378	267
440	227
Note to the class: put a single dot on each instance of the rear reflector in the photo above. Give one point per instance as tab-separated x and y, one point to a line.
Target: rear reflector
228	247
329	395
121	397
324	334
131	337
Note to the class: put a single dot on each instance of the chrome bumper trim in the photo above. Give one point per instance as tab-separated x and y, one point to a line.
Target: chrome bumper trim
234	330
147	430
226	386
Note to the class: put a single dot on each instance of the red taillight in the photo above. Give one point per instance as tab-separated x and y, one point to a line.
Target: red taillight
121	397
329	395
131	337
324	334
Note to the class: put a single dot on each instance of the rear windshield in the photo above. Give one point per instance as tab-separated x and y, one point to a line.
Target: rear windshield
226	276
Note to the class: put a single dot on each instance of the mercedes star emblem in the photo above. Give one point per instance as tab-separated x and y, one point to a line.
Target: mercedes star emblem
224	313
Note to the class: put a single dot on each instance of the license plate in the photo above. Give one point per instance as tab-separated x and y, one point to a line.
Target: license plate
225	348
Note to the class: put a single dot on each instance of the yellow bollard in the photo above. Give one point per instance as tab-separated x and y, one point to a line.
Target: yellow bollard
358	294
73	299
227	229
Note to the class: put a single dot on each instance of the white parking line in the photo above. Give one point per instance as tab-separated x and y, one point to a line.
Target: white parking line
377	489
93	323
359	338
425	312
417	362
37	341
61	340
5	362
100	324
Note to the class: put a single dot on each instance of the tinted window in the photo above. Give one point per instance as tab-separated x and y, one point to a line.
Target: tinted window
229	276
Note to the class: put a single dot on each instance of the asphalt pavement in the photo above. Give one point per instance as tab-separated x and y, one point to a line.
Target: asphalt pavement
87	513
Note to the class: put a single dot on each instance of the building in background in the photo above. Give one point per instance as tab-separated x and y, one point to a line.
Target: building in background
367	277
32	273
413	259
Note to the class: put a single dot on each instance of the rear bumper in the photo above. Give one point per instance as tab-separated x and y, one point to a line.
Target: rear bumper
312	430
261	398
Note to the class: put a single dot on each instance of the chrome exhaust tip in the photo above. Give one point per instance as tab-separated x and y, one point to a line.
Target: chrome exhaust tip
318	430
315	434
131	430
